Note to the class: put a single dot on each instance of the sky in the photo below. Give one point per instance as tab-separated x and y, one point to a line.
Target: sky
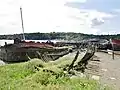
81	16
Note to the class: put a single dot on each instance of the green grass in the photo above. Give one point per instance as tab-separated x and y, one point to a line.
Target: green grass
24	76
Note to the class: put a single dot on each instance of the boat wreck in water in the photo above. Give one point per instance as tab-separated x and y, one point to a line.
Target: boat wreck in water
24	51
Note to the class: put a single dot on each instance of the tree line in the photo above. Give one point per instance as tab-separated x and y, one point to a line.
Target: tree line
58	36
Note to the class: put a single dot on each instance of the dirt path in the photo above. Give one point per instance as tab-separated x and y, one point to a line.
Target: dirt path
107	69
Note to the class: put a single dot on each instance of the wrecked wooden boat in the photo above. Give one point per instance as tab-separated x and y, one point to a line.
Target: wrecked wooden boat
115	44
23	51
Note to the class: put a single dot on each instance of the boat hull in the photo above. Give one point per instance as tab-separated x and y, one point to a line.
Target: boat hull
25	54
116	45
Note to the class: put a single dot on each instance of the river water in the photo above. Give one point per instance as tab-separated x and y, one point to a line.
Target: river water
2	42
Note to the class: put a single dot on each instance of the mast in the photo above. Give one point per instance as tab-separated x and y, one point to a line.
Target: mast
22	23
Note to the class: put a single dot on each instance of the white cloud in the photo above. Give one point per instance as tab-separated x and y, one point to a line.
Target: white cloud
95	31
97	18
96	22
47	15
81	1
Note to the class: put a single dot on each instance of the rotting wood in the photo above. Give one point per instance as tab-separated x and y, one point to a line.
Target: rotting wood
71	66
85	58
84	61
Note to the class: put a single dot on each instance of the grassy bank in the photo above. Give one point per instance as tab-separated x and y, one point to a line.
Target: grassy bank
37	75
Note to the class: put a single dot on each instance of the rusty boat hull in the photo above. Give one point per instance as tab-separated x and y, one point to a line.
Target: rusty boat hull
24	51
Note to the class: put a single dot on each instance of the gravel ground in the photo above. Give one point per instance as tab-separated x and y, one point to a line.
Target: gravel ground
107	69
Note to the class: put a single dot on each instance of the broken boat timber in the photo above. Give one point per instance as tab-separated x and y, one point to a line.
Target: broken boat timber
24	51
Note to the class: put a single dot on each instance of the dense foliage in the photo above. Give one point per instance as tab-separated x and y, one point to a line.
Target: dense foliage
58	35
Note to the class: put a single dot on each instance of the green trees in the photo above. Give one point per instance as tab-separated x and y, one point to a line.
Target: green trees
59	36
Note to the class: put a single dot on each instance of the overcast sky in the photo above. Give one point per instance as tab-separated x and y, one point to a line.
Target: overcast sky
84	16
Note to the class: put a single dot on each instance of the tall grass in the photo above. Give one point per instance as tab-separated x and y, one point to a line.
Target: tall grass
32	76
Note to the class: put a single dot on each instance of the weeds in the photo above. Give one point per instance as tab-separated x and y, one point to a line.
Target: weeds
37	75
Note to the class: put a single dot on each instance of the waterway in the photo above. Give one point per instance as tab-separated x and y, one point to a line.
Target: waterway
2	42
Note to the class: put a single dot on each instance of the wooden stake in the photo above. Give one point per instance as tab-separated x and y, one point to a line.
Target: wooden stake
112	49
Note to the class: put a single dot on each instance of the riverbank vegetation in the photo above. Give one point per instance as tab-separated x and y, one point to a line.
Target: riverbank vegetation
38	75
59	36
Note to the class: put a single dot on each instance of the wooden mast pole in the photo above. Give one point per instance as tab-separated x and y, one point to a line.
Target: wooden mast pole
22	23
112	49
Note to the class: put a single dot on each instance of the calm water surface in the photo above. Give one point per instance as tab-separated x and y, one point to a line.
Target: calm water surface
2	42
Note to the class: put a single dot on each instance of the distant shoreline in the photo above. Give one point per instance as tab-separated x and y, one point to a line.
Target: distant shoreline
58	36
